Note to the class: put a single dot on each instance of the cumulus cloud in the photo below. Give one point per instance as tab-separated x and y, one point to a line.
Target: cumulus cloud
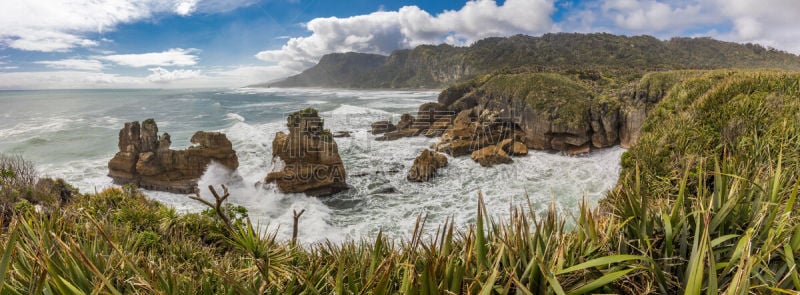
65	80
768	22
232	76
384	31
161	75
655	16
60	25
73	64
172	57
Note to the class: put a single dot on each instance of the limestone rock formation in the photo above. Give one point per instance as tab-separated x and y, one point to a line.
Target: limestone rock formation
145	159
633	119
490	156
425	166
465	135
407	127
310	157
513	147
382	127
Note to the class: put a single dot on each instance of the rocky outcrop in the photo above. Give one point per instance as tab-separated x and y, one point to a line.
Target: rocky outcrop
490	156
381	127
407	127
425	166
513	147
309	156
468	134
145	158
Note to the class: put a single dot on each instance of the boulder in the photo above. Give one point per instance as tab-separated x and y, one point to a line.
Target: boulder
382	127
425	166
513	147
146	160
310	156
490	156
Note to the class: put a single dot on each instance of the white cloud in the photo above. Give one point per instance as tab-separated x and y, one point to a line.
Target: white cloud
60	25
234	76
161	75
73	64
247	75
186	7
768	22
172	57
655	16
384	31
65	80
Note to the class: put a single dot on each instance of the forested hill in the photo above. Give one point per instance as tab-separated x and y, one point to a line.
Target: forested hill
438	66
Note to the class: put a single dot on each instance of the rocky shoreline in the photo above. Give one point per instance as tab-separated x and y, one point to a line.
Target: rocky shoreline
491	119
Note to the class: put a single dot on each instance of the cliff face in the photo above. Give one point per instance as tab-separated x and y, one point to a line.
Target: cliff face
569	113
145	159
439	66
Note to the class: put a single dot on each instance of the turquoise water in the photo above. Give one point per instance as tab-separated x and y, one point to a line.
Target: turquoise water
73	133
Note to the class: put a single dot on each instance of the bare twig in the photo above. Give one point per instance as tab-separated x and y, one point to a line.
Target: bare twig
294	226
217	206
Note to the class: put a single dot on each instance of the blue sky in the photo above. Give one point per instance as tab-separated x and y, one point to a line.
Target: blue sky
229	43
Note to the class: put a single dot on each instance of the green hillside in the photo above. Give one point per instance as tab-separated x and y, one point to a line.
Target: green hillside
439	66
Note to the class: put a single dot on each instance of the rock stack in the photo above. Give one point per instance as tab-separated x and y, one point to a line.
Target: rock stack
145	159
310	157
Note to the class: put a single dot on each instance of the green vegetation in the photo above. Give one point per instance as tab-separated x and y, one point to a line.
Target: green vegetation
439	66
706	203
569	100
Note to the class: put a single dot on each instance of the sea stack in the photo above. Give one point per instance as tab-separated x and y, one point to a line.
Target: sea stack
425	166
145	159
310	156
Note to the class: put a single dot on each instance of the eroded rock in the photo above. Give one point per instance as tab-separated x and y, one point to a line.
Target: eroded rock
425	166
490	156
310	157
382	127
145	159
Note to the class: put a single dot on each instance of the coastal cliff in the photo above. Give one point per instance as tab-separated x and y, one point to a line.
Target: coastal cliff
429	66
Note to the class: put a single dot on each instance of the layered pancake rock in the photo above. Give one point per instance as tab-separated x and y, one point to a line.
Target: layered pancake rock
425	166
145	159
310	156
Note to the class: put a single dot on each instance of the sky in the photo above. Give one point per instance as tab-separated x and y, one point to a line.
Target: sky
84	44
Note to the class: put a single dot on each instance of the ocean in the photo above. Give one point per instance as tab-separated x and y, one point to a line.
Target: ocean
72	134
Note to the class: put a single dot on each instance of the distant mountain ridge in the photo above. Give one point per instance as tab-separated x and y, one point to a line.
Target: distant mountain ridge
429	66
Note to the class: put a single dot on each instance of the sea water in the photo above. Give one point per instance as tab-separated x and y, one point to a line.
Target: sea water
72	134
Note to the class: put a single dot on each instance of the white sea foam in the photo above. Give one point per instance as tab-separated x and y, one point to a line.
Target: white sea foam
234	117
